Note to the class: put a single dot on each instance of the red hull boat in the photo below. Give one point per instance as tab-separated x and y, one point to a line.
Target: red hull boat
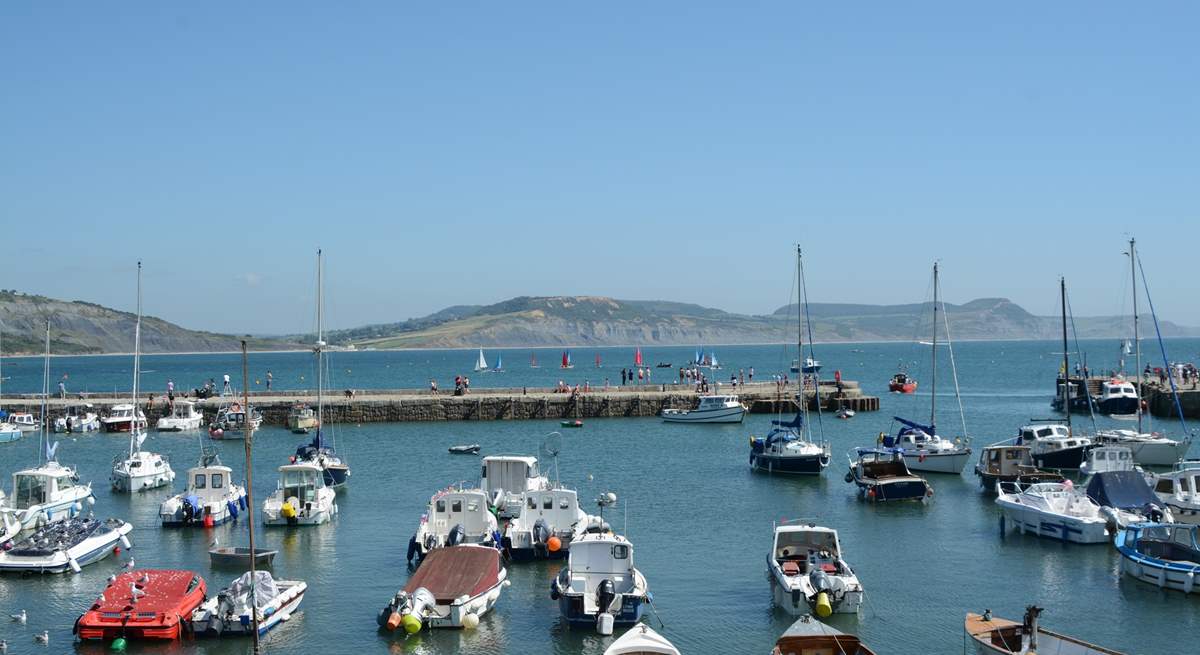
901	383
143	604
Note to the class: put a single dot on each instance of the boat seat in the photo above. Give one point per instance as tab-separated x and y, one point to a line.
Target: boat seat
790	567
829	567
1168	551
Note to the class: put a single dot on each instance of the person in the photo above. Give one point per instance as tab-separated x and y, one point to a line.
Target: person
226	390
270	378
606	383
62	389
641	375
647	375
733	381
171	389
751	373
624	376
742	377
433	386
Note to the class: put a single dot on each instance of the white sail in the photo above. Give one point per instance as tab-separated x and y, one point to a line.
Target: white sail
481	364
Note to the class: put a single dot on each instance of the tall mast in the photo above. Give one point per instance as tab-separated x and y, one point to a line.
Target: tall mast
1066	356
799	323
320	346
45	394
1137	343
248	426
137	364
933	375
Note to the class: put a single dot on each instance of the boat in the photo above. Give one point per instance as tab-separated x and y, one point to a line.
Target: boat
455	516
571	423
229	612
641	640
230	422
902	383
468	449
9	431
301	418
996	636
533	363
506	478
300	498
709	409
1071	392
211	497
24	421
454	588
1166	555
789	448
1053	446
882	475
638	362
808	636
1052	509
1151	448
77	419
599	587
566	360
844	413
1117	397
1179	491
67	545
499	367
598	363
239	556
808	574
481	363
183	418
1125	498
1008	462
808	367
1102	459
663	365
120	418
550	521
143	604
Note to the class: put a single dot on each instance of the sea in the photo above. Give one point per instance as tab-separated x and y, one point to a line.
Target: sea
700	520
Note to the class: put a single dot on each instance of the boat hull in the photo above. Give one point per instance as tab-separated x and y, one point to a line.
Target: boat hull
278	611
8	435
896	490
1123	406
60	427
1067	458
952	463
88	551
124	483
571	607
723	415
797	465
1028	520
178	424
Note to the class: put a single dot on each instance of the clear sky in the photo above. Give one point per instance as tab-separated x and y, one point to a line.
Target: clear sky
644	150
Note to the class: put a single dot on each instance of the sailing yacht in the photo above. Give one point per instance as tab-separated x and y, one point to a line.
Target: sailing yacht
566	360
499	367
140	469
481	363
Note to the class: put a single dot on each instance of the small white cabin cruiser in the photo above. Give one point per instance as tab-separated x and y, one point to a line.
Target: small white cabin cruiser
455	516
599	587
229	612
141	470
808	574
1117	397
924	450
454	588
45	494
211	497
301	418
24	421
183	417
230	422
709	409
1103	459
1053	446
78	419
1052	509
641	640
546	527
1179	490
506	478
1148	448
67	545
121	418
301	497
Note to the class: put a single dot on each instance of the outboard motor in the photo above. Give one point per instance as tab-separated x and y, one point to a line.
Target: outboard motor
824	588
189	512
457	535
412	549
1153	512
606	593
407	610
541	533
430	542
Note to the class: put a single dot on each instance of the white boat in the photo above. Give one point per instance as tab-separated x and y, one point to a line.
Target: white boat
481	363
67	545
641	640
120	418
1179	491
1052	509
455	516
1103	459
789	448
300	498
809	366
545	528
9	431
229	612
1052	446
1147	448
506	478
1125	497
709	409
996	636
808	574
183	418
1117	398
600	587
230	422
44	494
78	419
24	421
211	497
454	588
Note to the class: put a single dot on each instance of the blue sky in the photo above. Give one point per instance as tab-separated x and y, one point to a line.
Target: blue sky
654	151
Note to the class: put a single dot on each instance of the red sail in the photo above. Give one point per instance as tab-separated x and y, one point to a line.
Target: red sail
637	359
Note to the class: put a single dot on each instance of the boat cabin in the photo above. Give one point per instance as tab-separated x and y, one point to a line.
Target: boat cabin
798	545
1110	458
1182	484
119	412
23	420
209	482
597	557
1175	542
559	508
301	481
878	465
41	485
717	402
1113	389
1005	460
511	474
1049	438
184	409
468	508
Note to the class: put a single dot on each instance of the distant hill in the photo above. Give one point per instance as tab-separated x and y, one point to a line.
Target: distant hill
78	327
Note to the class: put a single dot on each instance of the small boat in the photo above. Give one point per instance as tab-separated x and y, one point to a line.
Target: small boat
211	497
301	418
467	449
808	574
1053	446
499	367
902	383
709	409
996	636
229	612
481	363
183	418
1052	509
77	420
533	363
566	360
1071	392
143	604
808	636
844	413
1125	497
454	587
663	365
121	417
1166	555
455	516
24	421
789	448
884	476
1179	490
300	498
641	640
230	422
544	529
335	471
1148	448
575	423
924	450
64	546
807	367
506	478
239	556
638	362
1103	459
1006	462
599	587
43	495
1117	398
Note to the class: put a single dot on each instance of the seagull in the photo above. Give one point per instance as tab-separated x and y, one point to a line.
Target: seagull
3	646
144	580
129	564
112	578
134	592
21	617
43	638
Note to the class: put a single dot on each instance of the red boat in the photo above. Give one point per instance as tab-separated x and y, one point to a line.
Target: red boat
143	604
901	383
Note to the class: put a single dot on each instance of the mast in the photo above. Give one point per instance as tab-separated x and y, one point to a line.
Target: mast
320	347
248	425
1066	356
800	325
1137	343
933	374
134	443
45	394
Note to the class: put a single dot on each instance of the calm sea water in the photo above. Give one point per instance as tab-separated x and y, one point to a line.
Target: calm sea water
700	520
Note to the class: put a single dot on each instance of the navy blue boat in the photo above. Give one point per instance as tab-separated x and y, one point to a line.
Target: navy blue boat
334	470
786	449
599	587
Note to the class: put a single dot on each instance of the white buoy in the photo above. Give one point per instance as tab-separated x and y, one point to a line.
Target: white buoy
125	542
604	623
91	500
74	564
470	621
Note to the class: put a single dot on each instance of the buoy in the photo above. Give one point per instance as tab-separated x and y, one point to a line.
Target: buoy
125	543
116	550
119	644
393	621
553	544
412	625
824	608
208	520
74	565
287	511
470	621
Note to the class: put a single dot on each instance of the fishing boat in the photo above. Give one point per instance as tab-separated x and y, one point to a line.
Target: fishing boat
882	475
211	497
808	574
808	636
183	418
599	587
1053	446
239	556
67	545
1008	462
143	604
1117	397
455	516
300	498
1125	497
466	449
77	419
709	409
1166	555
1052	509
454	588
807	367
1071	392
121	418
229	612
231	422
546	527
481	363
566	360
1179	491
996	636
641	640
789	448
1102	459
1152	449
506	478
24	421
902	383
301	418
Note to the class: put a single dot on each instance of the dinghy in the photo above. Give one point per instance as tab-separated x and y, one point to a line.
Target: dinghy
455	516
143	604
211	497
454	587
808	574
469	449
66	545
229	613
641	640
571	423
884	476
808	636
1052	509
239	556
506	478
996	636
1166	555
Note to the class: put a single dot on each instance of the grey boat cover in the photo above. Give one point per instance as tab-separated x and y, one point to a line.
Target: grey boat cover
265	589
1121	490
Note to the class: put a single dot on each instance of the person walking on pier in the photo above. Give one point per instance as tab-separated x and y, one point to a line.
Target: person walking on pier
751	373
226	391
62	389
270	378
433	386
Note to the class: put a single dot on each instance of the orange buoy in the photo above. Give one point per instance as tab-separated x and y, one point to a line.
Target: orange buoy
553	544
393	621
208	520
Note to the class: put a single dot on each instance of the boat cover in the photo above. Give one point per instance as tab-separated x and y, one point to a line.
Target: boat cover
61	535
796	423
1121	490
264	587
160	590
455	571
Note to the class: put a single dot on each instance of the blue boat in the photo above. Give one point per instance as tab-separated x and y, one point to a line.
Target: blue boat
882	475
599	587
787	449
1166	555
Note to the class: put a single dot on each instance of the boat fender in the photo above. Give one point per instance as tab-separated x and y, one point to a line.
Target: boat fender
233	510
554	595
929	492
470	621
125	543
553	544
288	510
604	623
496	540
208	520
823	607
242	501
412	548
74	564
457	534
849	476
1189	582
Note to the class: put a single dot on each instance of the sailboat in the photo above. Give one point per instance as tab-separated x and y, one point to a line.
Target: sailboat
499	367
637	358
566	360
141	469
598	364
481	363
533	361
317	452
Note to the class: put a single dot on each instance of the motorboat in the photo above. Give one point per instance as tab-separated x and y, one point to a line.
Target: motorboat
1103	459
120	418
465	449
1166	555
641	640
789	448
599	587
1125	497
1179	491
455	516
1117	397
319	453
1148	448
571	423
143	604
8	432
545	528
300	498
996	636
808	574
844	413
454	588
301	418
1052	509
230	422
1073	393
211	497
140	470
67	545
1053	446
24	421
709	409
883	475
252	596
809	366
808	636
183	417
45	494
924	450
506	478
902	383
77	420
240	556
1008	462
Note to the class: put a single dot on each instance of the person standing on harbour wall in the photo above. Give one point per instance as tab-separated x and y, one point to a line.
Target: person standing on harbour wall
270	378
